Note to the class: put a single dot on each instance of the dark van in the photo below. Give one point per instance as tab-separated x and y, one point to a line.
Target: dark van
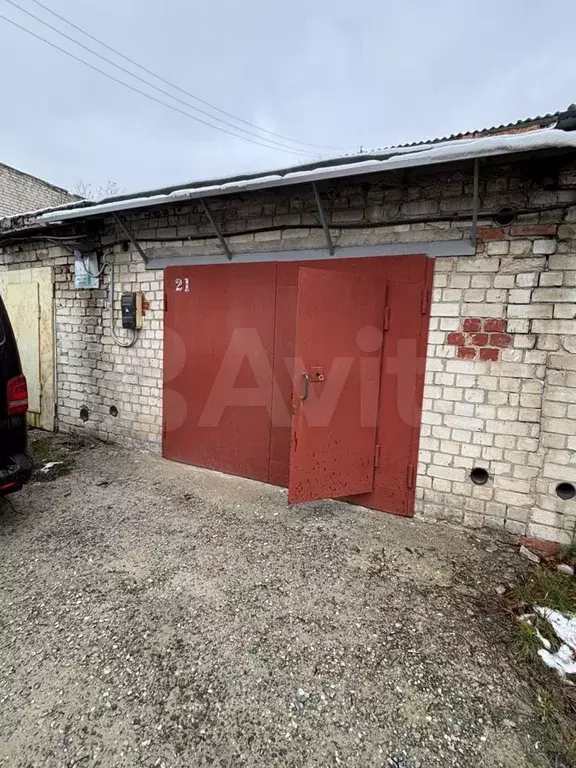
15	462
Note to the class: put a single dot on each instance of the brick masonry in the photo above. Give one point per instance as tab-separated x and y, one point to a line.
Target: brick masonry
20	192
480	338
500	391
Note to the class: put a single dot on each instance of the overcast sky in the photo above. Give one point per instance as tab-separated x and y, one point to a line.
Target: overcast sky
336	73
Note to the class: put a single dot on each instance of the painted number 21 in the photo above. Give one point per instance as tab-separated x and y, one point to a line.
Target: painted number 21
182	284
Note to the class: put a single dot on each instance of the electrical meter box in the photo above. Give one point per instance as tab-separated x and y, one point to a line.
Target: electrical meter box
131	304
86	270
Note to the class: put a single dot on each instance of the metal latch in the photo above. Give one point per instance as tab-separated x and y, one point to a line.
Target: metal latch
316	375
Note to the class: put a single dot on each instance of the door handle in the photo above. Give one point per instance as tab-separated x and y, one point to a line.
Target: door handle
305	387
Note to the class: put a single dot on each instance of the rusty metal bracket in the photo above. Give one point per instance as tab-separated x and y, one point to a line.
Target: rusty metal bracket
475	202
130	235
221	238
323	219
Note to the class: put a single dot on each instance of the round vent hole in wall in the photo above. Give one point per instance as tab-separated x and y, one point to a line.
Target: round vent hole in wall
84	413
505	216
479	476
113	411
565	491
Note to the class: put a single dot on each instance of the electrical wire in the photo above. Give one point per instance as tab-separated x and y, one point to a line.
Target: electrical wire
105	263
151	85
86	266
143	93
182	90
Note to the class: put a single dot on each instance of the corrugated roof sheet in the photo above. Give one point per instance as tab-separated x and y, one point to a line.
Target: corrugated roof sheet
526	124
422	153
397	158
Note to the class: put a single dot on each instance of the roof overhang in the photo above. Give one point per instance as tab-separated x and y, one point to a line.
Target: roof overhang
395	159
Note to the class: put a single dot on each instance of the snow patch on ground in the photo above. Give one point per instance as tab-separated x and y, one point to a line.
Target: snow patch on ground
564	625
50	465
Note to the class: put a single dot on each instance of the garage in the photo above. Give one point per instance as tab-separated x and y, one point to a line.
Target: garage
304	374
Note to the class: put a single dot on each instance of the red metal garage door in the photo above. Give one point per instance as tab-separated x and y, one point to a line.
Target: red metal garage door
218	345
335	391
230	334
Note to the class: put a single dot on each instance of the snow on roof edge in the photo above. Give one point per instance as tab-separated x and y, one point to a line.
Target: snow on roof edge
398	158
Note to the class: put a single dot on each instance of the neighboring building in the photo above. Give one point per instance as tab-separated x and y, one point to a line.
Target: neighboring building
21	192
427	292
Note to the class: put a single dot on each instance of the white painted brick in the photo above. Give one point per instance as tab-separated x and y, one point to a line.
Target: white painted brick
478	265
554	295
562	262
518	326
514	266
527	279
513	370
524	341
564	311
544	247
520	247
559	327
445	310
463	422
449	324
498	248
520	295
481	281
465	366
503	281
488	310
547	533
551	279
530	311
447	473
459	281
513	498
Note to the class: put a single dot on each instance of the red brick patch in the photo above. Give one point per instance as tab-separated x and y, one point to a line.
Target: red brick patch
541	546
472	324
533	230
456	338
480	337
500	340
490	233
494	324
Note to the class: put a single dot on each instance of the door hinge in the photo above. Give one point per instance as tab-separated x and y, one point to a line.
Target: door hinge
377	456
425	301
386	318
165	302
410	476
55	410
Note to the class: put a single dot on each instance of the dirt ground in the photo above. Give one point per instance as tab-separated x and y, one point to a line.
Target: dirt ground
154	614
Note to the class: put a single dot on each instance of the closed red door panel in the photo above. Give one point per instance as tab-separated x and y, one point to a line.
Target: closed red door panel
339	327
400	398
218	356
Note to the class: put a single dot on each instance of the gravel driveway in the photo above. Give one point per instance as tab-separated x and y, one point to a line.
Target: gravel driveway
154	614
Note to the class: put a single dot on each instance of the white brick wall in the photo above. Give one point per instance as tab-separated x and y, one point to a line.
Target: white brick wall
510	408
94	371
20	192
512	416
